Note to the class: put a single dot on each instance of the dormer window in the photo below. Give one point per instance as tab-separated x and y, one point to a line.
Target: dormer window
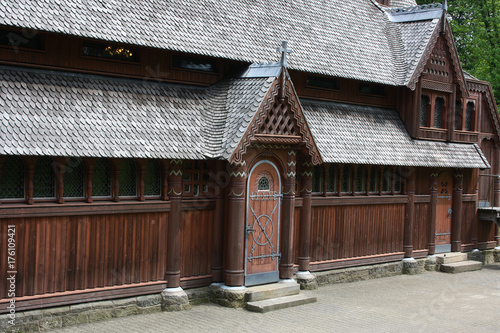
193	63
322	82
371	89
21	39
433	110
108	51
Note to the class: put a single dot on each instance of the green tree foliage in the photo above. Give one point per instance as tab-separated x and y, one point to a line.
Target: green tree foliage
476	27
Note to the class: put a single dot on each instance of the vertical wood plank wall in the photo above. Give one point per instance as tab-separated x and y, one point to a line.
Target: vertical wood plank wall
469	214
351	231
67	253
420	226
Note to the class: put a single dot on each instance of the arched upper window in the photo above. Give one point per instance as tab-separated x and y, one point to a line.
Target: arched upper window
73	178
12	178
101	181
438	112
128	180
317	178
152	178
469	116
424	110
44	181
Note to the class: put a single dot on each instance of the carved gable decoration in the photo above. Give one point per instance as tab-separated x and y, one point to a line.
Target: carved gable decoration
279	122
439	66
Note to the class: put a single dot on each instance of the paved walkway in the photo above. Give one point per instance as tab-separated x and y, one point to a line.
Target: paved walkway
430	302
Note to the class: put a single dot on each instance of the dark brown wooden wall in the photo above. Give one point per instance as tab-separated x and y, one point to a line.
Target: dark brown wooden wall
356	230
66	253
421	225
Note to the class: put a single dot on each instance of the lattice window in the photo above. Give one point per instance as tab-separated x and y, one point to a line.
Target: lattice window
360	179
195	178
387	176
12	178
374	179
263	184
346	179
279	121
438	112
458	115
424	110
331	185
44	181
398	183
152	178
101	181
469	116
128	179
73	178
317	178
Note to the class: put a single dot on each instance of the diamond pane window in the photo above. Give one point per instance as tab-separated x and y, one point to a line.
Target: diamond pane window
128	181
424	106
346	179
469	115
44	181
331	185
360	179
438	112
152	178
12	178
316	179
73	178
374	179
263	184
101	182
387	180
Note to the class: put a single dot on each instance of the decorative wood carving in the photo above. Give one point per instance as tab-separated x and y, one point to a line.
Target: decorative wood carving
279	121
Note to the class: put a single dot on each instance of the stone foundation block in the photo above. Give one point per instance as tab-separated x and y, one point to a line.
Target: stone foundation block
174	299
496	254
410	266
306	280
430	263
231	297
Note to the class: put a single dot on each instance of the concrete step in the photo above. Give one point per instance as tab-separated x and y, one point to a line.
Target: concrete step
279	303
463	266
268	291
448	258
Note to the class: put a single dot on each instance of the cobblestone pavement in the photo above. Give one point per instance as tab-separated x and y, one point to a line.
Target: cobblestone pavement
430	302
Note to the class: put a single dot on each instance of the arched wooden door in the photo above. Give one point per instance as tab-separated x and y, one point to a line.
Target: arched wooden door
263	224
444	212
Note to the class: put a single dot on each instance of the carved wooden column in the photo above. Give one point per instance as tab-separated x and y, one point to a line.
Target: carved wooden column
218	230
474	237
456	228
234	274
173	273
431	235
409	214
288	221
305	216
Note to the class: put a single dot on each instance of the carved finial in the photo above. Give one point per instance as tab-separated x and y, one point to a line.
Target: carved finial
284	51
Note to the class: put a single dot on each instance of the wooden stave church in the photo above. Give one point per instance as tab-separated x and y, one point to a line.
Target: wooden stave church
213	127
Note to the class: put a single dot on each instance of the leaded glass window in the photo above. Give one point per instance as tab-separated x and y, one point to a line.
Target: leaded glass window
44	181
397	181
152	178
424	107
101	181
374	179
73	178
387	180
263	184
360	179
469	116
331	185
346	179
12	178
458	114
128	180
316	179
438	112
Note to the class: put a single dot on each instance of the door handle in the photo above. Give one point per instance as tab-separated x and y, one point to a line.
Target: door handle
449	212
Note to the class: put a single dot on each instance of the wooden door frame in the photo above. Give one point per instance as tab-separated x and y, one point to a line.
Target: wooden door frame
273	276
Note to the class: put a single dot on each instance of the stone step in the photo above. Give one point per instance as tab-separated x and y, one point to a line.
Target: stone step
279	303
463	266
268	291
448	258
